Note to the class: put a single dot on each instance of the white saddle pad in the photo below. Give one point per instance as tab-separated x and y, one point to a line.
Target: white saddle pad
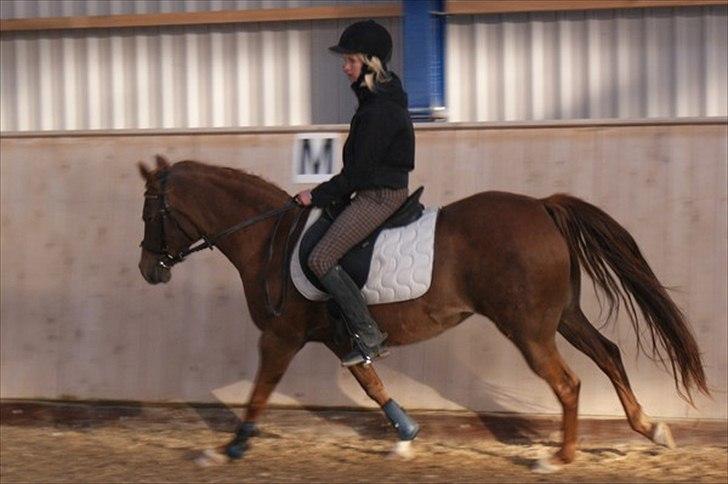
401	267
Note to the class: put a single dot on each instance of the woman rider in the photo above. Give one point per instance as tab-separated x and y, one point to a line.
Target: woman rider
378	156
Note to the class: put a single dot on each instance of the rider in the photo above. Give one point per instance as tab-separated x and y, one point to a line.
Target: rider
378	156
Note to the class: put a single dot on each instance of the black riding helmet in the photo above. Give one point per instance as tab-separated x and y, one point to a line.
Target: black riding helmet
366	37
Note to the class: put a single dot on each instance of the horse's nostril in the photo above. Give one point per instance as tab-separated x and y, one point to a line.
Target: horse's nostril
161	274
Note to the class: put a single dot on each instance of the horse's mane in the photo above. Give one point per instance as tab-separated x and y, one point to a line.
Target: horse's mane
233	178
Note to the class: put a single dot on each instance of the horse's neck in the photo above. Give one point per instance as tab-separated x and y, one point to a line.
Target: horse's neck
227	204
247	248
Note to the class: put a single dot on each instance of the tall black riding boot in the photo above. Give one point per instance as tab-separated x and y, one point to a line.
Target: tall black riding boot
363	329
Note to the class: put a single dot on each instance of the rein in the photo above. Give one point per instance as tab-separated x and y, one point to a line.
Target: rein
209	242
167	260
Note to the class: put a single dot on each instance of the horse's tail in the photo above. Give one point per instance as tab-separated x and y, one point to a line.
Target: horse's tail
605	249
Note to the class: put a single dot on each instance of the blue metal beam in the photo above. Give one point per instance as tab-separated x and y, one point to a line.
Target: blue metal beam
424	31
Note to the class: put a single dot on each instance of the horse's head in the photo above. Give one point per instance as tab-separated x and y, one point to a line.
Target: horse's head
166	231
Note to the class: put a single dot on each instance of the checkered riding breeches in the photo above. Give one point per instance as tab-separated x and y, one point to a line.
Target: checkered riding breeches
367	211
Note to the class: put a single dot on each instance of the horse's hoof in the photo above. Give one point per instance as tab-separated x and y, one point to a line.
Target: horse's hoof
663	436
402	450
236	451
545	465
209	458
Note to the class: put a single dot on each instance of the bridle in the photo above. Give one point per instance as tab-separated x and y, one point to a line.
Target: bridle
155	240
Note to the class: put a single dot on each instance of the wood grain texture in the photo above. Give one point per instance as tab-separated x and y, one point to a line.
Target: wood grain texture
78	321
200	18
475	7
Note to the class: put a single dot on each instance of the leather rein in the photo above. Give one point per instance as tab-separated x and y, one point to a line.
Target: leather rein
158	243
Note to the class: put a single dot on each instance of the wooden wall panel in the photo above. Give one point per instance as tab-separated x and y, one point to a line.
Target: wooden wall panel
78	321
471	7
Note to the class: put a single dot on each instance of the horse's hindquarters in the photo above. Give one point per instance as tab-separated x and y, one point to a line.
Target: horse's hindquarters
505	257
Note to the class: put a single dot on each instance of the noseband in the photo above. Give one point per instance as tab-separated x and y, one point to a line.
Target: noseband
155	240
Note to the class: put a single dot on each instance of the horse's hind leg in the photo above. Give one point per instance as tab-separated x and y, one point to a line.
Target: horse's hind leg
545	360
578	331
406	428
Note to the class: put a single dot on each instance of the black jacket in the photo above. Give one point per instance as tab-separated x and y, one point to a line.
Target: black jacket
380	149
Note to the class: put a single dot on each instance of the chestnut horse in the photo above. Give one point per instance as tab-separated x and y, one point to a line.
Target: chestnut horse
513	259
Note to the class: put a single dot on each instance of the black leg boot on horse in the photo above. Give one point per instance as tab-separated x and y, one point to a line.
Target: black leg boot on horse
368	340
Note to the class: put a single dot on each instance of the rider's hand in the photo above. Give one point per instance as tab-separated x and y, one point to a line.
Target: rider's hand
304	198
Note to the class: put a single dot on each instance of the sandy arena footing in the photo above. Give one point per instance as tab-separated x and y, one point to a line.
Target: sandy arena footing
85	442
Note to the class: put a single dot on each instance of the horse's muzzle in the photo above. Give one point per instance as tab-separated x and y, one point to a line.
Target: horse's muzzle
153	271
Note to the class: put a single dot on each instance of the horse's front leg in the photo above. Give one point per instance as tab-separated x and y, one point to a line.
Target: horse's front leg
275	356
407	429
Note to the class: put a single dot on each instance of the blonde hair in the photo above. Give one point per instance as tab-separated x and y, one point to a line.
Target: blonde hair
377	75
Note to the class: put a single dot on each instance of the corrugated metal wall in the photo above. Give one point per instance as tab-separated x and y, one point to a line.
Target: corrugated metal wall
601	64
637	63
173	77
261	74
64	8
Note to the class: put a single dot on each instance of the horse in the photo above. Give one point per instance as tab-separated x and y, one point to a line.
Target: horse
514	259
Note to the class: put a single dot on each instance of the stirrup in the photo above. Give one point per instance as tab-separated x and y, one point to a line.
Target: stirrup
357	356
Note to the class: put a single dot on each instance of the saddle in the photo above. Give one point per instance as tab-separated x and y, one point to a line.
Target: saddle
358	260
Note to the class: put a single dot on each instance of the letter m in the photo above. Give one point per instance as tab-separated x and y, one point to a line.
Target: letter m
317	156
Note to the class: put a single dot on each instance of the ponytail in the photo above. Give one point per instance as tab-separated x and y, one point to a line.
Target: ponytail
376	72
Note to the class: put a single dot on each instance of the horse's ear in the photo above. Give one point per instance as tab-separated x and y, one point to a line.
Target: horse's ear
162	162
145	172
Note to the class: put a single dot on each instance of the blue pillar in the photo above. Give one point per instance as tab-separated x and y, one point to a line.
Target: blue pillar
424	30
